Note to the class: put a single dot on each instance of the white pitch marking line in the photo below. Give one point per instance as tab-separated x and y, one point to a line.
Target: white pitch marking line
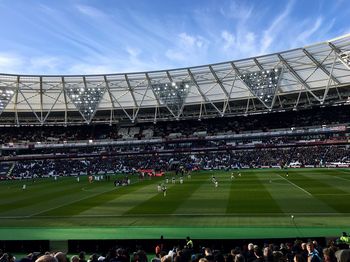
178	215
68	203
74	201
342	178
302	189
332	194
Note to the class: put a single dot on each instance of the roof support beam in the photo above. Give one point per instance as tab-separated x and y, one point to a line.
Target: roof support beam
122	107
295	74
319	65
130	89
169	76
338	53
48	113
31	108
155	96
258	64
329	82
201	92
110	98
65	101
138	108
16	101
219	81
41	100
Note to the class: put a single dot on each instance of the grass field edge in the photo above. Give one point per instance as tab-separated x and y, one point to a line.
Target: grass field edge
123	233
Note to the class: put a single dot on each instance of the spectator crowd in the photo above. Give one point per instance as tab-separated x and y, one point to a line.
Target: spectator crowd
297	251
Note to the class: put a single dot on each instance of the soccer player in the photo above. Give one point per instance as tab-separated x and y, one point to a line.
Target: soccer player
159	188
167	180
189	174
173	180
78	179
181	180
216	183
164	190
232	176
24	187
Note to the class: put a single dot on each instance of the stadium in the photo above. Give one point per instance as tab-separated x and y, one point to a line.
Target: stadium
249	149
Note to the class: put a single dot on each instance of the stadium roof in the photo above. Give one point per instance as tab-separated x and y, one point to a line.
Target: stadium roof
318	74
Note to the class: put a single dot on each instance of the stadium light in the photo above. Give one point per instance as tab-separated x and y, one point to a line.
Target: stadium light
6	95
345	58
173	94
263	83
85	99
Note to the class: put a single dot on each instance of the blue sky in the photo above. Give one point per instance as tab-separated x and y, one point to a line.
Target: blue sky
113	36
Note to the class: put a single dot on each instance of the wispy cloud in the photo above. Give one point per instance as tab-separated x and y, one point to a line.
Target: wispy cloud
304	36
10	62
277	25
188	48
68	37
90	11
237	10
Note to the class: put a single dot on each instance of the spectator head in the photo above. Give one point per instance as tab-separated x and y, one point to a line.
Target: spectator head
239	258
74	259
303	246
46	258
82	255
250	246
61	257
207	251
299	258
310	247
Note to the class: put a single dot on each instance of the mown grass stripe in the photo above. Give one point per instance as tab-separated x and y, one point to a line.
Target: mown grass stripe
315	186
33	197
206	200
248	190
291	199
177	194
98	199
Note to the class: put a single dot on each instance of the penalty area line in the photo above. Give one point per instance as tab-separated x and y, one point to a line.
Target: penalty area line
302	189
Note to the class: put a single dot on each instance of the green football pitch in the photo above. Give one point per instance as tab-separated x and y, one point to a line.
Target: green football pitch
261	203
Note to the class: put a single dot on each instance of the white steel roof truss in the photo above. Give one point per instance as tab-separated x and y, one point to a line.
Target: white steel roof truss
111	100
53	105
150	84
134	91
31	108
120	105
320	65
130	90
206	99
65	101
330	79
138	108
301	81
